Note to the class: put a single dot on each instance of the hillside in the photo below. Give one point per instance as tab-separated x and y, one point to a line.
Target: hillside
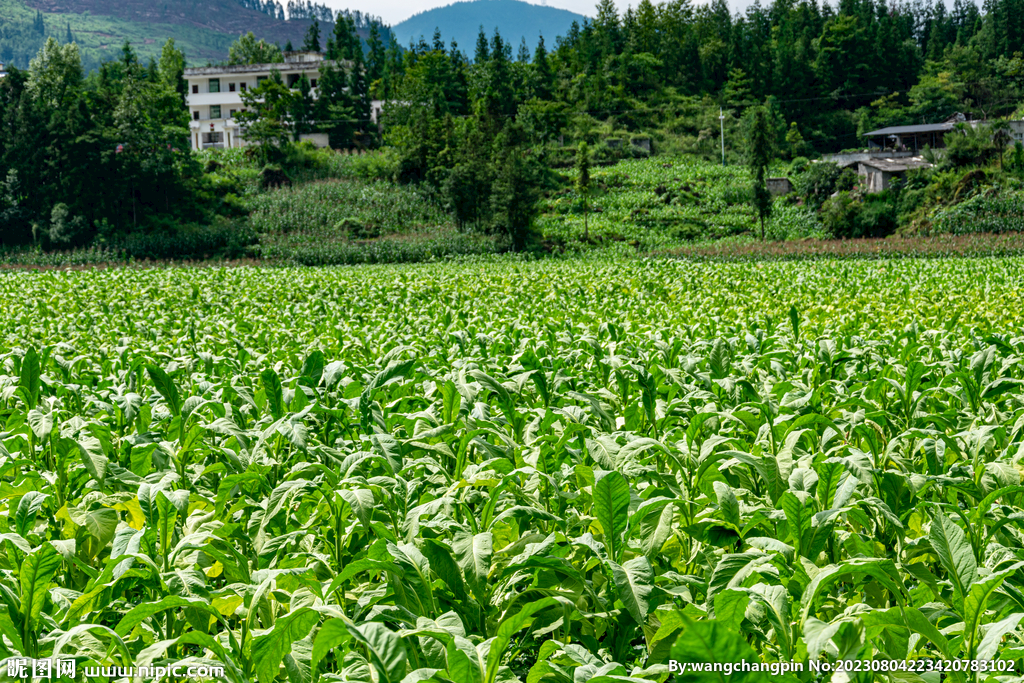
204	29
462	21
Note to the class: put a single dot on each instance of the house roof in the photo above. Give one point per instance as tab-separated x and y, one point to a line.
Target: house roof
257	68
905	130
896	165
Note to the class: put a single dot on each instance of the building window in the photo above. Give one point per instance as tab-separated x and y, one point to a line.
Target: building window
233	112
312	83
215	111
231	87
195	115
214	85
242	86
195	89
260	79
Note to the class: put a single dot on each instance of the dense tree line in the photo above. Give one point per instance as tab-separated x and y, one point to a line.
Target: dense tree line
268	7
805	76
826	72
87	157
483	126
94	158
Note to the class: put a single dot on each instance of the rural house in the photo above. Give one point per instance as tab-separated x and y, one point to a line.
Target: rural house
912	139
879	173
215	96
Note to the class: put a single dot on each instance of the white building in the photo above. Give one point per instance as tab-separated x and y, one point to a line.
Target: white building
3	71
215	96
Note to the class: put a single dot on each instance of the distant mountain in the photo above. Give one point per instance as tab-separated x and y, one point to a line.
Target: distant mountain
204	29
462	21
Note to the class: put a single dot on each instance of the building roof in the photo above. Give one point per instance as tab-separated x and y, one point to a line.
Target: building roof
904	130
257	68
896	165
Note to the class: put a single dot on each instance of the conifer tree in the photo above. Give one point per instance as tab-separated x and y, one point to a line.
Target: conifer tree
760	148
482	54
312	39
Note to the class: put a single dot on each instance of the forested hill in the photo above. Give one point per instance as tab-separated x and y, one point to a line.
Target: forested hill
203	28
461	21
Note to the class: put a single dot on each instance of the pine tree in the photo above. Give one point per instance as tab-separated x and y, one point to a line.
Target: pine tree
69	38
543	77
375	57
172	68
334	107
129	58
302	112
524	52
394	67
760	147
359	92
482	54
513	194
312	40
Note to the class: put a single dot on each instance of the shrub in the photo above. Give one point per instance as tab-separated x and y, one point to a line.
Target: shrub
968	145
223	238
356	229
308	250
818	182
846	217
273	175
993	211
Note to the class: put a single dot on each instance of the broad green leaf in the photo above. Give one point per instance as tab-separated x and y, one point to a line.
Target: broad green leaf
41	423
275	394
30	384
634	581
611	507
166	388
508	628
28	509
954	551
976	602
707	643
269	649
34	576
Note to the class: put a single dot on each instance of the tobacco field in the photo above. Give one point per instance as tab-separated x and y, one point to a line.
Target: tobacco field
504	470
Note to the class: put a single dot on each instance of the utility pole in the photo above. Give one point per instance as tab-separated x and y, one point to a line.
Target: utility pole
721	125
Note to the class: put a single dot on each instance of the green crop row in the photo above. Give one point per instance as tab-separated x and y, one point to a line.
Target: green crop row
513	470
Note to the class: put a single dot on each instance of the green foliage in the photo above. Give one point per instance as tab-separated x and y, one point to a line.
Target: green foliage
657	202
316	208
849	215
991	211
583	184
760	152
968	146
819	181
248	50
320	474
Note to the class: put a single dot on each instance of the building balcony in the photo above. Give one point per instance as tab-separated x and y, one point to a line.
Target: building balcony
221	98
